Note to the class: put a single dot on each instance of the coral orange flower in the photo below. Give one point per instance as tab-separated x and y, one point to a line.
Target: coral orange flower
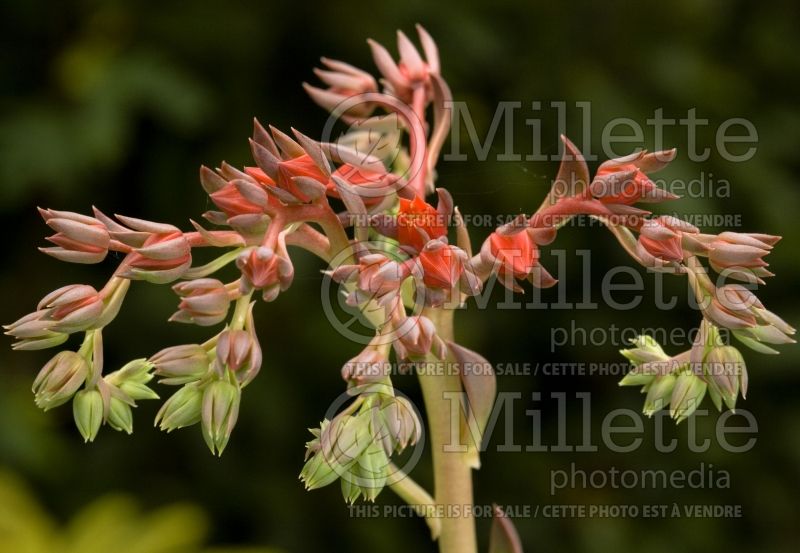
661	239
441	266
300	166
516	253
418	222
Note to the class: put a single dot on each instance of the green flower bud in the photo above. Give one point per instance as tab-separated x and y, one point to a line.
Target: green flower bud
317	472
59	379
132	379
686	395
220	411
87	408
351	491
645	350
372	469
120	416
658	393
345	438
645	356
726	373
181	409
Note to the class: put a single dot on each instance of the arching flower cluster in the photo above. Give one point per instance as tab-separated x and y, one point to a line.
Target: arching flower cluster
368	204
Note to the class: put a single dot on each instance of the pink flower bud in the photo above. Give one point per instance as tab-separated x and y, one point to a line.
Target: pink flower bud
368	367
232	202
204	302
624	180
181	364
239	352
59	379
660	240
344	81
69	309
78	238
417	337
162	256
740	255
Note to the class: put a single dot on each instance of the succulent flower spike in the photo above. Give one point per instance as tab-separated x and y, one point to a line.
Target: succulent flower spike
78	238
624	180
358	202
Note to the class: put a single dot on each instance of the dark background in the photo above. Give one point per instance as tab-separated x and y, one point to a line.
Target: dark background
116	104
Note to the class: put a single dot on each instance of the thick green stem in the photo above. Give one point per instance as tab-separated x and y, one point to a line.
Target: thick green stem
416	496
451	470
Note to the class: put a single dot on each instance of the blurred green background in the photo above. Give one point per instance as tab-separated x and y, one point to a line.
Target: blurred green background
116	104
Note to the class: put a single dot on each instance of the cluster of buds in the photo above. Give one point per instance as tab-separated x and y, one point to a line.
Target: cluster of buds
666	381
96	399
682	381
736	308
357	444
211	377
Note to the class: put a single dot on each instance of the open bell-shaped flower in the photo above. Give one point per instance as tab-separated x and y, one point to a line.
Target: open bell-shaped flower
443	268
513	253
418	222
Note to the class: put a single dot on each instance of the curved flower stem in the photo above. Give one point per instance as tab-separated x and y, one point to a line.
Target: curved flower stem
240	311
451	470
416	496
310	240
212	266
